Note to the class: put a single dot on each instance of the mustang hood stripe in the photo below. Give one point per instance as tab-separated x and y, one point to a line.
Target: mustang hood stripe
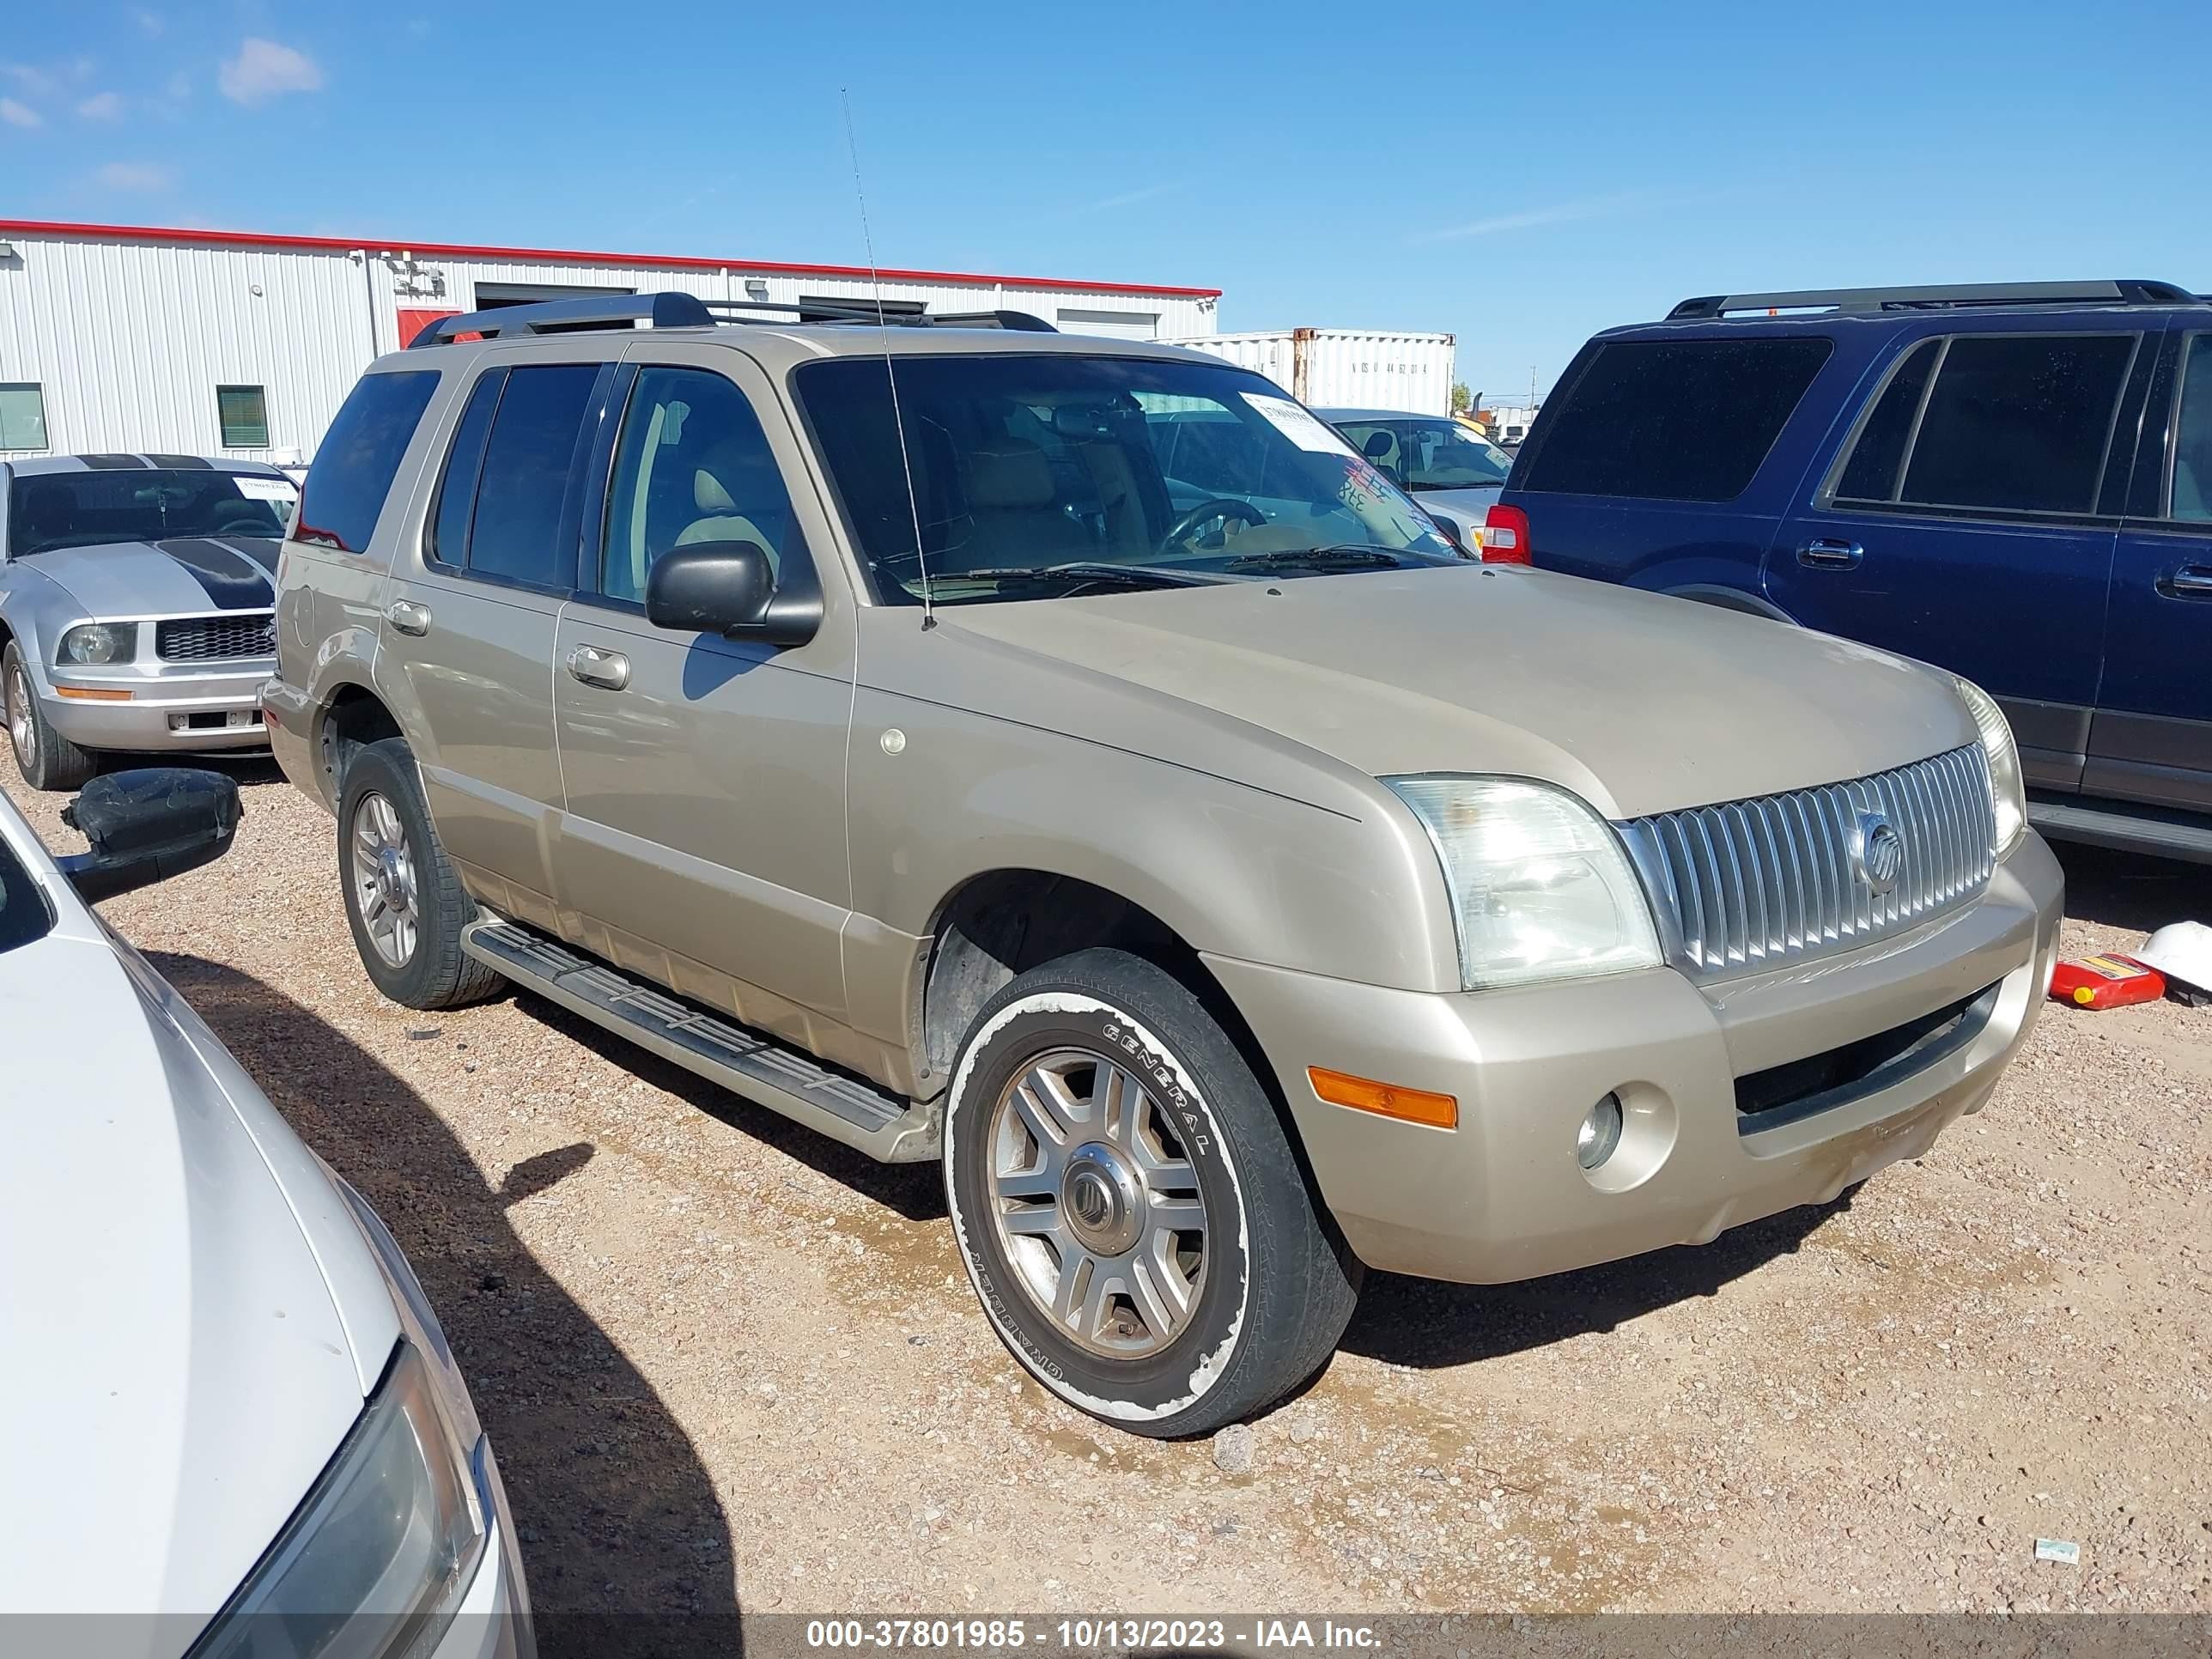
235	579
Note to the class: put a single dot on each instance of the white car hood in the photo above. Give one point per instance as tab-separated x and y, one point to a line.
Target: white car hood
177	1372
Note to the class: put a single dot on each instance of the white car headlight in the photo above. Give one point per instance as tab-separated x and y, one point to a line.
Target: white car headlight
2008	790
378	1559
1539	886
101	642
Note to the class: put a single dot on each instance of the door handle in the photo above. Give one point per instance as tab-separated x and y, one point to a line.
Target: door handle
606	669
1830	553
2191	581
407	618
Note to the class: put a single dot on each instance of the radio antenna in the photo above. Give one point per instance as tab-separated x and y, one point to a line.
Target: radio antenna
891	371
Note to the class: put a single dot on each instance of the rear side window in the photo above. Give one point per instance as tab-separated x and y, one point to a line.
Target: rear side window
2018	424
1871	473
456	490
2193	453
516	530
359	458
1673	420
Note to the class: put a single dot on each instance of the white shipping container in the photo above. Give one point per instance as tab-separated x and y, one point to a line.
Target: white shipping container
1345	368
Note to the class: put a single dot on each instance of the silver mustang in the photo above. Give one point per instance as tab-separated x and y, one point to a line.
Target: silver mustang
136	607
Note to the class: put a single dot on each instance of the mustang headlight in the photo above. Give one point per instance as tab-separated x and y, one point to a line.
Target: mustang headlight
377	1560
101	642
2008	790
1539	886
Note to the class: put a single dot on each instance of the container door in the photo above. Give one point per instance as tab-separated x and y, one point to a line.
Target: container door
1964	525
2152	738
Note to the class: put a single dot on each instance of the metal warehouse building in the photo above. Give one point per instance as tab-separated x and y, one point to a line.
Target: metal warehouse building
219	342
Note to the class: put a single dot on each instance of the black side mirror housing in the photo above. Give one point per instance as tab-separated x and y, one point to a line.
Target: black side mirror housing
728	588
148	825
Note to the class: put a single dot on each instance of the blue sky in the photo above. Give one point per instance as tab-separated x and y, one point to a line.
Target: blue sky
1520	175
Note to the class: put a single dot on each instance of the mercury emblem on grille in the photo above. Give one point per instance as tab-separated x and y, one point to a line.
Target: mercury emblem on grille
1880	854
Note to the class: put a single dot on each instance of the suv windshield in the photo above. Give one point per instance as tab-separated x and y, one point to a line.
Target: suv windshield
1428	454
49	510
1039	476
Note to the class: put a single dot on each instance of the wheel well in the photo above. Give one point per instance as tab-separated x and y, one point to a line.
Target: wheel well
356	717
1008	921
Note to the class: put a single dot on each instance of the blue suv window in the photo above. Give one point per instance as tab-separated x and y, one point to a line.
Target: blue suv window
1671	420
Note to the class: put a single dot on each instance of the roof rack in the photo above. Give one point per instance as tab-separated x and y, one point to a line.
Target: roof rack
679	310
2125	291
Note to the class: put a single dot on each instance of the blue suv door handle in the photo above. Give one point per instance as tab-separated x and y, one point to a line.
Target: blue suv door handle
2191	581
1829	553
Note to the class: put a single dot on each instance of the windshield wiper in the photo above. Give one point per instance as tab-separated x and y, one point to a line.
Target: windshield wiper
1080	571
1349	555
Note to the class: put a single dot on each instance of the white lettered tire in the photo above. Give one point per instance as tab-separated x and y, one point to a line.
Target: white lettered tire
1128	1204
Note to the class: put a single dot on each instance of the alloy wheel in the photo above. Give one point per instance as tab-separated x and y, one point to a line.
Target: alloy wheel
22	726
383	867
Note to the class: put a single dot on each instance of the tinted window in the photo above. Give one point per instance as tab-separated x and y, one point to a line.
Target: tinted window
23	913
1871	473
360	454
1673	420
692	466
456	490
50	510
516	532
2019	422
2193	453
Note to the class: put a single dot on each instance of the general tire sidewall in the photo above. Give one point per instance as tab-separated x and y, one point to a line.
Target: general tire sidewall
387	776
1160	1386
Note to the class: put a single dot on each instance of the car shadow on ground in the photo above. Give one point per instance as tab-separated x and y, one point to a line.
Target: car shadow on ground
626	1545
2130	890
1428	1324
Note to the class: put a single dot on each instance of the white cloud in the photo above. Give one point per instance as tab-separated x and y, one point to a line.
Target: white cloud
33	80
180	87
101	106
265	69
1560	213
140	177
19	115
149	22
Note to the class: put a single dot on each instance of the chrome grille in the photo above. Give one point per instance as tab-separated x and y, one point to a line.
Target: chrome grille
209	639
1760	884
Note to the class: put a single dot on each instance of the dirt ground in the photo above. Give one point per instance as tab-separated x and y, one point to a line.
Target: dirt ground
727	1364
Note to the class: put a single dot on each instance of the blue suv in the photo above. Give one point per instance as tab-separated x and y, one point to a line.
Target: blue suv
2013	482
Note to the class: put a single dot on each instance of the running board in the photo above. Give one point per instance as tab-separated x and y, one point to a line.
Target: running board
762	1069
2173	835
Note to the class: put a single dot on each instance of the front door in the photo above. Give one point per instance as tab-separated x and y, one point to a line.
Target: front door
1966	524
2152	739
469	616
704	840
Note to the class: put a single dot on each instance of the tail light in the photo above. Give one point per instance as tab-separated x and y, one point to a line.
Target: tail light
1505	536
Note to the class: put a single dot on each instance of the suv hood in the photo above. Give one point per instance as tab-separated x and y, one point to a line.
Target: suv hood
1638	702
178	1372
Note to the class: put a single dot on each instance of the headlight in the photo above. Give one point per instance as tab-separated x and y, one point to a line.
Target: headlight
99	642
2008	793
418	1322
377	1560
1539	886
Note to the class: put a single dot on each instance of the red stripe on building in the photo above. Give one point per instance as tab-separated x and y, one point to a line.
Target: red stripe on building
186	238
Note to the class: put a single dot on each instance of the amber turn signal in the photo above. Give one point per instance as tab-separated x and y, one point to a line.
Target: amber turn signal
90	696
1384	1099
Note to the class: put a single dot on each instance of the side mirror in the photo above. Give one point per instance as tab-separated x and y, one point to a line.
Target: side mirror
146	825
727	588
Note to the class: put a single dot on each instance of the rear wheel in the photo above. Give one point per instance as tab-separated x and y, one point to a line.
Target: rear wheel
403	900
47	759
1129	1206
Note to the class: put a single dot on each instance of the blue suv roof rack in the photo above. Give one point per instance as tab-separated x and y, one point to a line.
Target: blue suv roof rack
679	310
1941	296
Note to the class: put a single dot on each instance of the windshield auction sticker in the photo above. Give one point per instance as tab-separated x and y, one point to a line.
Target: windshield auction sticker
263	490
1298	425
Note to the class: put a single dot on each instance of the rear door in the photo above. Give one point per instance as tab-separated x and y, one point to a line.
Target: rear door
2151	739
469	616
1969	519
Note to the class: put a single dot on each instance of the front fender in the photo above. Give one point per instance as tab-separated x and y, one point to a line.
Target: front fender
35	609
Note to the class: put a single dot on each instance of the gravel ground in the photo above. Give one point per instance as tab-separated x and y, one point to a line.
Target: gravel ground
725	1363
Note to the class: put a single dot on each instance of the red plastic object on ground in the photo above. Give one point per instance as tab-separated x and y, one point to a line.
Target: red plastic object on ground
2105	982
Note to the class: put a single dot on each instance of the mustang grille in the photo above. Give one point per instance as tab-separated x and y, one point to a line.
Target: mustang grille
1761	884
209	638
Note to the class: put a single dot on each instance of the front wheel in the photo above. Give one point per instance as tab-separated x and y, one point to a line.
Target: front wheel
47	759
1128	1205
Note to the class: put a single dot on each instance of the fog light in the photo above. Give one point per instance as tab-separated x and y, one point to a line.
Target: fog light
1600	1132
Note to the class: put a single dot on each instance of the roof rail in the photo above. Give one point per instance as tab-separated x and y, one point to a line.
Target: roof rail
680	310
2125	291
670	310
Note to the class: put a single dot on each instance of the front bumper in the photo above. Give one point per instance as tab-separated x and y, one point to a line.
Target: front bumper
177	711
1502	1198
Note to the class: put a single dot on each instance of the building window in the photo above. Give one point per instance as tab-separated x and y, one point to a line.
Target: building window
244	411
22	415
